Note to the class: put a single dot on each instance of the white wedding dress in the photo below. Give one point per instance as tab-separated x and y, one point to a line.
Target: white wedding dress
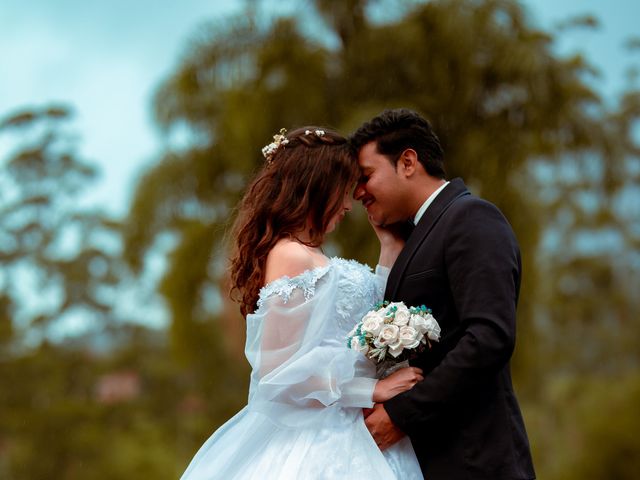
304	415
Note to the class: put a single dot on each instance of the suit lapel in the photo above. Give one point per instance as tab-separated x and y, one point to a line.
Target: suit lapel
445	198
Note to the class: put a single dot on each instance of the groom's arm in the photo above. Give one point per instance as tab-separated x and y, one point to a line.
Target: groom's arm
483	268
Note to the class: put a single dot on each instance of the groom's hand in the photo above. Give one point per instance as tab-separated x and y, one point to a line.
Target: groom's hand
381	428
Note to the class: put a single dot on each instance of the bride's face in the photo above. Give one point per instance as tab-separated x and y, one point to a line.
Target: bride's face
344	208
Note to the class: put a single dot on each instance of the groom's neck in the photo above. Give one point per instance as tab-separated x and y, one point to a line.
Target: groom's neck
422	191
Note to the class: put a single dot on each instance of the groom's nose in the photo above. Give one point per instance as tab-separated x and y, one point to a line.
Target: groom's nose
359	191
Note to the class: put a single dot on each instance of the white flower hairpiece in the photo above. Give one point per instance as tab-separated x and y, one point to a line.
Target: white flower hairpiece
268	151
319	133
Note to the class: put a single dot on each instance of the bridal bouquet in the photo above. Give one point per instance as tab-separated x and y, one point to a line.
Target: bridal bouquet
391	332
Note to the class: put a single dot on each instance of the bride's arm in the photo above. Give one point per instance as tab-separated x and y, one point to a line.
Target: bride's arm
281	334
391	243
292	362
399	381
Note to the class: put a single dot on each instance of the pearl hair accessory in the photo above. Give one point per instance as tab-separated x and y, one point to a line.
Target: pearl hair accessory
319	133
280	139
268	151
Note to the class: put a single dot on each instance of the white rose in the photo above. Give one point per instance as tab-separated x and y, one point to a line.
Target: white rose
402	317
358	347
372	323
387	336
419	323
433	329
395	349
409	337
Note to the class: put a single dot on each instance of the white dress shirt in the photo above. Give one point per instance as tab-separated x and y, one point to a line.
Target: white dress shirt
428	202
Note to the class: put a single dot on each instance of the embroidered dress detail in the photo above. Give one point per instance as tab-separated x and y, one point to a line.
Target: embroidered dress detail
356	286
284	286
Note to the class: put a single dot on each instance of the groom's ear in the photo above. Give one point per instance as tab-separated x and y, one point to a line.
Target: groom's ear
408	162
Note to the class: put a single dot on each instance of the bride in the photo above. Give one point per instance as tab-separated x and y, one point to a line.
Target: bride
304	417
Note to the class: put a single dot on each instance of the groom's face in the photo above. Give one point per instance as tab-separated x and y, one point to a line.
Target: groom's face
381	188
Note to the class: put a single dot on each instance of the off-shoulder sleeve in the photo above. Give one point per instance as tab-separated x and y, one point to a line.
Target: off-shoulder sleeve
300	373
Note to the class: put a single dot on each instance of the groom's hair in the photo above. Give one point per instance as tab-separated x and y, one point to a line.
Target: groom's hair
396	130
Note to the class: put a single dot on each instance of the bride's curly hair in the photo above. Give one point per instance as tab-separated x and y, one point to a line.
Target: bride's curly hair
301	184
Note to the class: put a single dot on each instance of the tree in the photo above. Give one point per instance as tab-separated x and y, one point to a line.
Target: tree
61	258
56	257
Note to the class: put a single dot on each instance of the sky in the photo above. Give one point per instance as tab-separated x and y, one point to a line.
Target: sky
106	59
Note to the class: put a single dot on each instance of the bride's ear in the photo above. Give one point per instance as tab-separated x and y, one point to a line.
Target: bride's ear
408	162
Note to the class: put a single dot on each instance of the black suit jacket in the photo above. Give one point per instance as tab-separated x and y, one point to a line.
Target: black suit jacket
463	261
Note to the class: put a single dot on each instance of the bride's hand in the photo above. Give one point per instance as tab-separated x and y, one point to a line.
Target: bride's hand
398	382
391	242
387	234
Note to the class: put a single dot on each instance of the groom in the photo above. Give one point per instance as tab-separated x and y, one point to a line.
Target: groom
462	261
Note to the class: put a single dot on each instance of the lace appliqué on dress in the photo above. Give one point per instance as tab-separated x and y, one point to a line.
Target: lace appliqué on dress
356	286
284	286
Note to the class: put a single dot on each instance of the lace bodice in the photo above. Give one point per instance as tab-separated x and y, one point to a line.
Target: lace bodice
358	289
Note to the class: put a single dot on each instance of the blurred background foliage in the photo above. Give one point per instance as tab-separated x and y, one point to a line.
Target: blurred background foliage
522	125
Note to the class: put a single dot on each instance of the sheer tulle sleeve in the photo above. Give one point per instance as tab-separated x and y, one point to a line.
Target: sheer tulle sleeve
301	373
382	275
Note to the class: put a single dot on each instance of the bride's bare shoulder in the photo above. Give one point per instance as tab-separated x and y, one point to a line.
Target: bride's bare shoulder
289	258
